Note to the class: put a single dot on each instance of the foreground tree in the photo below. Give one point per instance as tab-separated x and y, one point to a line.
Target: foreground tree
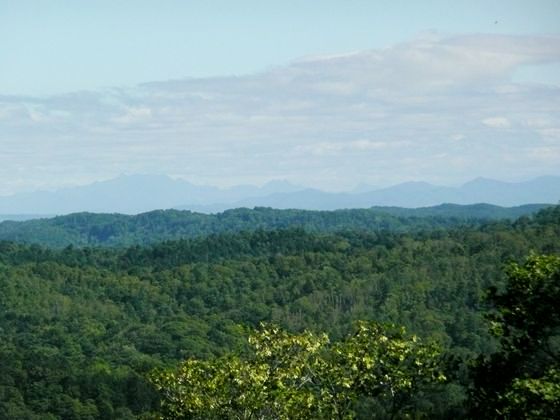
522	380
302	376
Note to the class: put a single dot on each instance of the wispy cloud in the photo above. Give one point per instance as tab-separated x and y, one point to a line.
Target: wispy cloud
496	122
379	116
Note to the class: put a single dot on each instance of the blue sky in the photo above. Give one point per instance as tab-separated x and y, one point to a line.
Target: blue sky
328	94
53	46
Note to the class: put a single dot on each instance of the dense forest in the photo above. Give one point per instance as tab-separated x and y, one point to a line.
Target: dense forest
91	229
84	328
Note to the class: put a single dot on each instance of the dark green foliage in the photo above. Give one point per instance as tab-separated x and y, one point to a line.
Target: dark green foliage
470	212
522	378
88	229
80	328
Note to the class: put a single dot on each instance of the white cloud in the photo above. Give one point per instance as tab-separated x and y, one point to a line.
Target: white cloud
496	122
546	154
8	111
551	134
538	122
384	114
133	115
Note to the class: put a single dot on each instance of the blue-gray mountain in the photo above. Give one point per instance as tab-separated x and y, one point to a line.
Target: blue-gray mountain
141	193
544	189
131	194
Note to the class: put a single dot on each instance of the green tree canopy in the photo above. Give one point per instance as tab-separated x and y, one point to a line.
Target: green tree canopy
302	376
522	379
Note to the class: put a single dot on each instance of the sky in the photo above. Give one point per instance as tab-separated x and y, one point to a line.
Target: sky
327	94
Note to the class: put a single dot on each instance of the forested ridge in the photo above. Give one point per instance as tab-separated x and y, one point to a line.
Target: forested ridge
82	328
91	229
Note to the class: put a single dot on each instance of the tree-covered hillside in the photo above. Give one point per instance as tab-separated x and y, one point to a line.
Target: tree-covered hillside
81	328
90	229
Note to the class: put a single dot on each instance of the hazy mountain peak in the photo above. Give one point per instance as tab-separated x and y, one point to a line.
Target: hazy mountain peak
151	178
280	185
142	192
482	181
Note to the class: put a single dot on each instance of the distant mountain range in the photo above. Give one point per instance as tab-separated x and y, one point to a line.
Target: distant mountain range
133	194
141	193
